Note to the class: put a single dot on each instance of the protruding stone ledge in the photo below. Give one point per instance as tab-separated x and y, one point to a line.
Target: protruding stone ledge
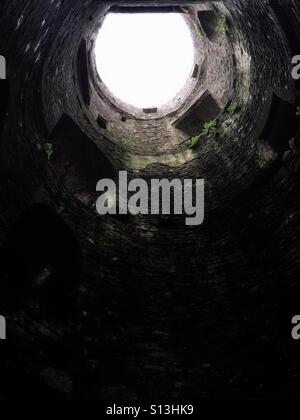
78	162
205	109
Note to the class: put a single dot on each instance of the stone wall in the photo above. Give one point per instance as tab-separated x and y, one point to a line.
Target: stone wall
135	307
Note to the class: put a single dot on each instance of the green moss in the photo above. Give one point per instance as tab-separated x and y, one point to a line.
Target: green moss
233	107
49	150
223	25
210	128
194	141
198	31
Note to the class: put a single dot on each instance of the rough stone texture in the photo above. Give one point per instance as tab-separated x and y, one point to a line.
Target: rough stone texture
156	310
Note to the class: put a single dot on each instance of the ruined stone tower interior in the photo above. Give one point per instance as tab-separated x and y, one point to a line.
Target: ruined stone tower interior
131	307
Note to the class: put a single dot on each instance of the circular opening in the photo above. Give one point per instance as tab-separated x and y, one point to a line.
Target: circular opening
144	59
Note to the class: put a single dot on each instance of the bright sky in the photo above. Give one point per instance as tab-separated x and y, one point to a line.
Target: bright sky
144	58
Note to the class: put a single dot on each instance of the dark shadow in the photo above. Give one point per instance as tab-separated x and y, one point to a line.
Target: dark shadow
83	73
205	109
101	122
150	110
195	71
259	183
281	125
78	161
41	257
4	102
209	21
287	25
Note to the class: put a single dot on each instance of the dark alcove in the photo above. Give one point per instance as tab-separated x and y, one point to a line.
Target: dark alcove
4	101
41	253
205	109
281	125
77	160
209	21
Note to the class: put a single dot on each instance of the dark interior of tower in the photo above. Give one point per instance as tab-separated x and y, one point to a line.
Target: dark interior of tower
150	247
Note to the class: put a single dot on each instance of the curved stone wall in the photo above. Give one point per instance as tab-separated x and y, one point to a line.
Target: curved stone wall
150	308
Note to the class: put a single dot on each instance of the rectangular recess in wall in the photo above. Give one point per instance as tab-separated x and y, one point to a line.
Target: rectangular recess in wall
195	71
101	122
150	110
204	109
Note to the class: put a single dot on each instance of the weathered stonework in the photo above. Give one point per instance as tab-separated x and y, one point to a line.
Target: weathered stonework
124	307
